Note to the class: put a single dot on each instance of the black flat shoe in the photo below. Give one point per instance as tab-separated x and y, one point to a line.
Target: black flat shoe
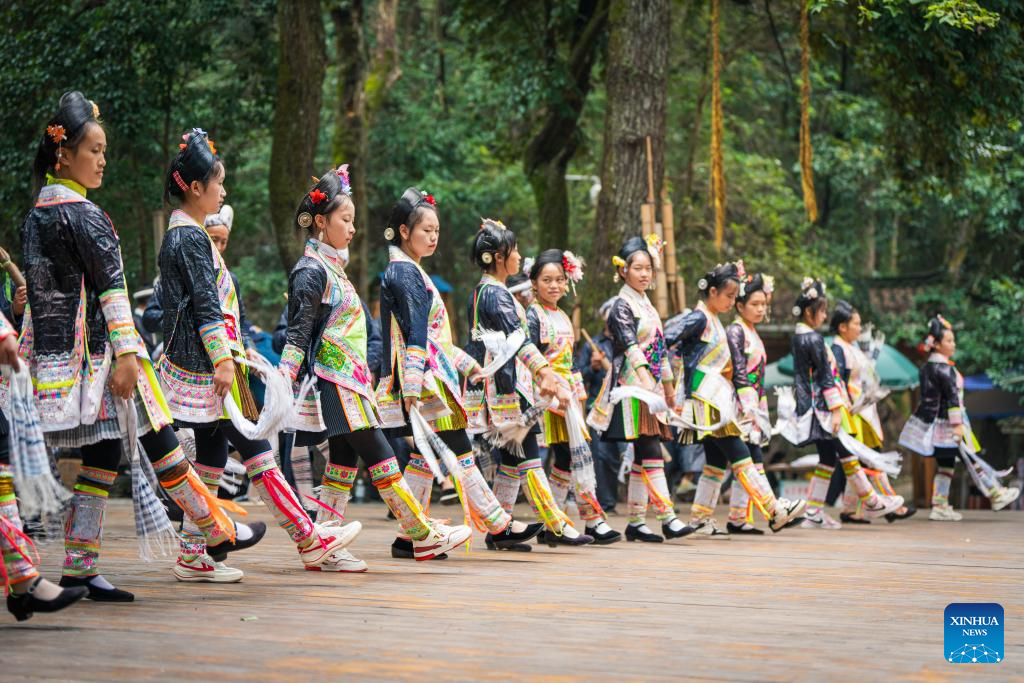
607	538
669	534
508	538
893	516
749	530
24	605
401	549
95	592
220	551
848	518
515	547
633	533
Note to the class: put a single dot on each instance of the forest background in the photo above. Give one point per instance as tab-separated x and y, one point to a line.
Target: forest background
537	112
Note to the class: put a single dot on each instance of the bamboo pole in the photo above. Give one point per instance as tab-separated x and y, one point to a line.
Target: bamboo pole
605	363
12	269
647	218
717	161
677	292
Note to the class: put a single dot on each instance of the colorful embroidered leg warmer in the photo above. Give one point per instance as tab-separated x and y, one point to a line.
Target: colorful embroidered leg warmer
538	494
506	486
637	495
420	481
84	528
739	502
193	543
184	486
756	486
705	498
859	480
335	492
484	511
590	509
940	486
560	481
387	477
657	485
14	545
819	488
881	482
280	498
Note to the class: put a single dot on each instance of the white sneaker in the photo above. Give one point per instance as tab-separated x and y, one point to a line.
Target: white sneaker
340	561
203	568
441	539
880	506
708	528
786	511
1004	496
328	539
944	513
819	519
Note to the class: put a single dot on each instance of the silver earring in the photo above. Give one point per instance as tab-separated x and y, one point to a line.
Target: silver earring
320	236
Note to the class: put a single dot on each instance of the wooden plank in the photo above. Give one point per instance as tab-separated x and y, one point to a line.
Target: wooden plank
862	603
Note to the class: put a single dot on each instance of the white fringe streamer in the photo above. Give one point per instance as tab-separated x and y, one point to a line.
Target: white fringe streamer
501	348
278	401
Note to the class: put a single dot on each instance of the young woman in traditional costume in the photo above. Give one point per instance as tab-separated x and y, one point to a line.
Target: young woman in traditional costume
421	367
552	333
940	427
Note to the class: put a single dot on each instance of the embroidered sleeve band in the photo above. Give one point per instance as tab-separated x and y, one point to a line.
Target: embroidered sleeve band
464	362
833	399
215	339
291	360
956	416
6	329
748	399
666	370
117	310
636	358
413	366
532	357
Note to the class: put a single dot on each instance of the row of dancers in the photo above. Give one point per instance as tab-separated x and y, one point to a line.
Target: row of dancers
78	373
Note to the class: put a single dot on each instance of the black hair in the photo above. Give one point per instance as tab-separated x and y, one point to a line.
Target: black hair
937	328
843	314
752	283
74	114
408	211
196	160
632	246
718	277
492	238
812	296
331	191
546	257
516	279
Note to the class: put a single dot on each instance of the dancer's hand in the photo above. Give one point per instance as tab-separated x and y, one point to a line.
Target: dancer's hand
959	431
837	420
126	375
670	394
9	352
224	377
20	299
549	383
647	380
409	402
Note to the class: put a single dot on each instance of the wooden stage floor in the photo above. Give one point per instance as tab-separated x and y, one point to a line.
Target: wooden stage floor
863	603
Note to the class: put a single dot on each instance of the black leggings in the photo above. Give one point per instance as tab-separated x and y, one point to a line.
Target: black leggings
106	454
369	444
946	457
212	444
646	448
830	450
531	450
560	453
726	450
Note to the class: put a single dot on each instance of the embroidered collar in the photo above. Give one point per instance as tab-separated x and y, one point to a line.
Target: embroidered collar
633	296
803	328
179	219
52	180
937	357
745	324
328	255
488	279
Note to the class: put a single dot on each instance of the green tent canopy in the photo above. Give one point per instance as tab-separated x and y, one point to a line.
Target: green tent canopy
895	370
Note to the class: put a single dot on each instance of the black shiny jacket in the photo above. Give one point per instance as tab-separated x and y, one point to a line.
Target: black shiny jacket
307	314
188	293
153	316
61	244
686	340
736	337
812	374
495	309
404	294
939	392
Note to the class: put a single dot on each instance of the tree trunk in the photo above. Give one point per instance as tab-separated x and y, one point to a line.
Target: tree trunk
637	79
300	74
548	154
